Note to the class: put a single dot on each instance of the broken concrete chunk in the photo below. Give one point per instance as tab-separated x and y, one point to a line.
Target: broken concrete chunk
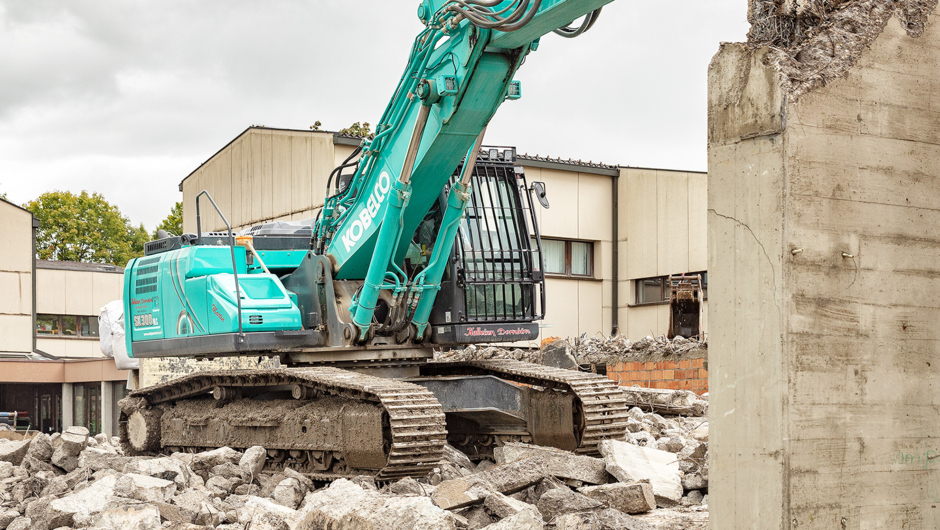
606	519
92	499
477	517
209	459
190	499
456	457
407	486
130	517
20	523
561	501
505	479
558	463
502	506
6	470
68	446
98	459
252	462
345	505
559	354
628	498
41	448
14	452
524	520
263	514
7	515
145	488
289	492
630	463
220	486
694	498
166	468
173	513
365	482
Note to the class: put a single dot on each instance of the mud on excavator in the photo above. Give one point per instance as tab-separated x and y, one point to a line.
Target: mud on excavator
426	240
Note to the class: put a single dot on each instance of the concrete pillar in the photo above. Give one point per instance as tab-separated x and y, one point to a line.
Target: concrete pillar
68	404
824	255
107	408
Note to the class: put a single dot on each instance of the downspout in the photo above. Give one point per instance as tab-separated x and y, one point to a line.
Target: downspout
615	253
33	329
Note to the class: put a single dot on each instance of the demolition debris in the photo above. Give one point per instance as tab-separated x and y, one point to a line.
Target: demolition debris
653	478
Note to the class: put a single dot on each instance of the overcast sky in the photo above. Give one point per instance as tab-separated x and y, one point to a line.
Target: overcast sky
127	97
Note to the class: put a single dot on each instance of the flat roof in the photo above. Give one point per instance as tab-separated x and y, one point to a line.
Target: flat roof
78	266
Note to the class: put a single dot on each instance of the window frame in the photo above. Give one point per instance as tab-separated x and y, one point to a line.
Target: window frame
568	260
60	328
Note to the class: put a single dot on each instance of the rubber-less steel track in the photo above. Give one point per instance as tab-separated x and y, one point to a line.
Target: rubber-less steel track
416	420
603	405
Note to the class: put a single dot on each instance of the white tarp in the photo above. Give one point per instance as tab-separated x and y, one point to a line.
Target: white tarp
111	336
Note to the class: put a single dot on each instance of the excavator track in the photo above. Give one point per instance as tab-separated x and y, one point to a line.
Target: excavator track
410	438
603	407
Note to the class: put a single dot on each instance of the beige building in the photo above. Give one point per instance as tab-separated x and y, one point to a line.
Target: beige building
51	367
607	226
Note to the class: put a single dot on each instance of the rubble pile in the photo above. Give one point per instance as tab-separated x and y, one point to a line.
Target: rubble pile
656	475
815	41
589	350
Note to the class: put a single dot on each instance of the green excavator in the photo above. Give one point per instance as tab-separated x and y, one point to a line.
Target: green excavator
427	239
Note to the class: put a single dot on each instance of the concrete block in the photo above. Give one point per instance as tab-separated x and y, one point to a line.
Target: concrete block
97	459
41	448
166	468
505	479
7	516
345	505
558	463
524	520
631	463
289	492
209	459
68	446
6	470
628	498
407	486
130	517
14	451
562	500
502	506
607	519
252	461
266	514
145	488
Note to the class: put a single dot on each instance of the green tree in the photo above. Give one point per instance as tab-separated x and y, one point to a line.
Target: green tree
173	223
84	228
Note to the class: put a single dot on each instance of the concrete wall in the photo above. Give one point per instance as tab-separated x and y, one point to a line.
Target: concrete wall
662	231
82	293
16	280
823	257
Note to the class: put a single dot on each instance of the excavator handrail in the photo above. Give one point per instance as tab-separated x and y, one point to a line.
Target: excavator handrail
231	239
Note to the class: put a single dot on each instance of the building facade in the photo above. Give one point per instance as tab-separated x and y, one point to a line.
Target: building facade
51	367
611	236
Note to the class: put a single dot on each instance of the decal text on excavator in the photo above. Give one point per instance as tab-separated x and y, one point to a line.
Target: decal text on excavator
367	214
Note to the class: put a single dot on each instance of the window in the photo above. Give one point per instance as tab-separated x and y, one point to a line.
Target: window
68	326
86	402
568	258
656	290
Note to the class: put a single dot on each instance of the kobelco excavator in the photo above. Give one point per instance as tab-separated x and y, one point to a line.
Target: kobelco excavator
426	239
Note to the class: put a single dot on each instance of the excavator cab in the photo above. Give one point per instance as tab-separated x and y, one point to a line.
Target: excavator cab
493	288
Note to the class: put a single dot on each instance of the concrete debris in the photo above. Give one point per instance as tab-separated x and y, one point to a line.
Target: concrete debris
815	41
14	452
562	500
68	446
558	463
344	505
505	479
607	519
587	351
682	402
631	463
252	461
524	520
529	487
628	498
130	517
502	507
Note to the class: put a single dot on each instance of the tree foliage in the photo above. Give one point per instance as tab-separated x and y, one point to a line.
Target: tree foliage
362	130
173	223
84	228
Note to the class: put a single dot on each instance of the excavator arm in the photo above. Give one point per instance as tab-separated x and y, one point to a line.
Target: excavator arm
460	70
